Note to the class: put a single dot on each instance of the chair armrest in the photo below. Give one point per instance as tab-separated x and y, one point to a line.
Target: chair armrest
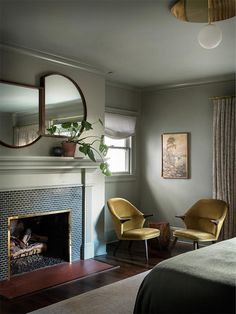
147	215
214	221
124	219
180	216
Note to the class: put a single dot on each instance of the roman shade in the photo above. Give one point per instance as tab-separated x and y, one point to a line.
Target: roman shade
119	126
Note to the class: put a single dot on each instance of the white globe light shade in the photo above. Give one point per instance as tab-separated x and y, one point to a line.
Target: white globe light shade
210	36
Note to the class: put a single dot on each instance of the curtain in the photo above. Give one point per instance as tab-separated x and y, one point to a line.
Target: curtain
24	135
224	159
119	126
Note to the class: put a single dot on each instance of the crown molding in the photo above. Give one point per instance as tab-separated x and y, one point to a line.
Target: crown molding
92	69
221	79
52	58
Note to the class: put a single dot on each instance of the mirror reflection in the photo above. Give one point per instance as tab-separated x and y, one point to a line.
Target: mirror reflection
64	102
19	114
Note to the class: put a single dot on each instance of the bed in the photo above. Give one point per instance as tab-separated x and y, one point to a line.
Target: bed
201	281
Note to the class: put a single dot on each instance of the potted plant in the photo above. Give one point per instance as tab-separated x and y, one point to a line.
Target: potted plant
74	135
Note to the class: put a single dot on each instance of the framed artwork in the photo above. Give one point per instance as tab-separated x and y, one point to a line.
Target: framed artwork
175	155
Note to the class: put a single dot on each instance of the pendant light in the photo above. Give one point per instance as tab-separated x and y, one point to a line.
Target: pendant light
205	11
210	36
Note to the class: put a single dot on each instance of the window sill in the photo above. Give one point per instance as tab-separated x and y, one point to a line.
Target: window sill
121	178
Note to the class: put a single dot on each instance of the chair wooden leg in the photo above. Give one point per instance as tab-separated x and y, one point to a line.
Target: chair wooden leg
159	244
130	245
116	248
146	250
174	243
195	245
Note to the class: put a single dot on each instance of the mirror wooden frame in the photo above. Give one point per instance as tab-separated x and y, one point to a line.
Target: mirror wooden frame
42	85
40	106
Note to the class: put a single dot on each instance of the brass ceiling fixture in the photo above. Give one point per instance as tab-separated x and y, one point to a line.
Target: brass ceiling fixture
203	11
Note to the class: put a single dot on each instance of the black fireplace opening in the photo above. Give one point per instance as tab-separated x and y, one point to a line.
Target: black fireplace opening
39	241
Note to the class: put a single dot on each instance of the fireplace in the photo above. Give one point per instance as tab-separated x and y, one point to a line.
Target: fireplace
38	240
44	185
45	212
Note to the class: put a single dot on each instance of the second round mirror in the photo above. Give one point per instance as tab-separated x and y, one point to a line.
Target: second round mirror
64	102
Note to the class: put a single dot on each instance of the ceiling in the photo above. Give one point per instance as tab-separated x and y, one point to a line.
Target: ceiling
139	41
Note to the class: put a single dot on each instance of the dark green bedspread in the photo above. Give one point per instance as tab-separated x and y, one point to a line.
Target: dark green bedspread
201	281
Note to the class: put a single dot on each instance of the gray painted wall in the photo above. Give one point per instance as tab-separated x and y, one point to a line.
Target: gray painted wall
178	110
23	68
6	127
128	100
172	110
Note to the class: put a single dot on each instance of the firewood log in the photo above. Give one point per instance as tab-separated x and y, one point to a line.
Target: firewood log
36	248
26	236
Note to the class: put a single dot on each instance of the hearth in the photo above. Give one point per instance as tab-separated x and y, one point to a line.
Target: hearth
39	240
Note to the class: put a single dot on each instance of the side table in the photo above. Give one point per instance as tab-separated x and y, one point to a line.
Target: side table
164	238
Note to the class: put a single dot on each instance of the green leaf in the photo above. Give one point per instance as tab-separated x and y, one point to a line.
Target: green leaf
103	148
86	125
91	154
66	125
84	148
105	169
52	129
75	125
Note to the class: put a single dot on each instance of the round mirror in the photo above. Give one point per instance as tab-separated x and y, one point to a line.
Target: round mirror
64	102
19	114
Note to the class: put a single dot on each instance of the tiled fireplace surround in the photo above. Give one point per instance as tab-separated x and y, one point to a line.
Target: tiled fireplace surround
39	185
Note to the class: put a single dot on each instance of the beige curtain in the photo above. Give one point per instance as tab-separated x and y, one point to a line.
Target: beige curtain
224	159
24	135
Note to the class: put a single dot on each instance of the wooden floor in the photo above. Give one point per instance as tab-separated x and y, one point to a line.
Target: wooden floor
130	265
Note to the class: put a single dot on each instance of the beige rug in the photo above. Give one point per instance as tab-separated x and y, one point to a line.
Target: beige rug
116	298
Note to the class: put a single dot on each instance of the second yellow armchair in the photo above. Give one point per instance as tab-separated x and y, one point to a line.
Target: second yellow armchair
129	221
203	221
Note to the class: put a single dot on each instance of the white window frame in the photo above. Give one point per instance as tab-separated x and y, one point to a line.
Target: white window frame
128	160
131	175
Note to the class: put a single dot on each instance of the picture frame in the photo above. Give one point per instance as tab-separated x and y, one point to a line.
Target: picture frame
175	155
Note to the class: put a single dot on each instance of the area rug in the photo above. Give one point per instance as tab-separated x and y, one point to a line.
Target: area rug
116	298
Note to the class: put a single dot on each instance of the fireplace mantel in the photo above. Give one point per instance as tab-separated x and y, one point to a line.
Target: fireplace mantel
42	163
42	172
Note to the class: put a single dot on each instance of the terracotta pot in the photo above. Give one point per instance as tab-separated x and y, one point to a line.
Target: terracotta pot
69	149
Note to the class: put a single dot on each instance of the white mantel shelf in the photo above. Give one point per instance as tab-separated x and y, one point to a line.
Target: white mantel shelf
39	163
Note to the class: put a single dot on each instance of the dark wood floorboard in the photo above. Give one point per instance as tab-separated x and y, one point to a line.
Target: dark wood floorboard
130	265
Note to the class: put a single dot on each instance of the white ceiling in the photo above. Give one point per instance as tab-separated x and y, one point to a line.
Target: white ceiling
138	40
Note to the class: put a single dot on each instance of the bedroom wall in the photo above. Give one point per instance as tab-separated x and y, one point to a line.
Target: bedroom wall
27	68
178	110
122	99
6	123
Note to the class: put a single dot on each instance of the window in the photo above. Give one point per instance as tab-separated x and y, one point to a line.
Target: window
119	137
58	124
119	155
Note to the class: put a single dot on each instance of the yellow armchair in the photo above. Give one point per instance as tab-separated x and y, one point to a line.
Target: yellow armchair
129	221
203	222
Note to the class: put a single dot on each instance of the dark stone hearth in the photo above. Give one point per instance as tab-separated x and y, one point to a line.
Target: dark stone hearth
32	262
